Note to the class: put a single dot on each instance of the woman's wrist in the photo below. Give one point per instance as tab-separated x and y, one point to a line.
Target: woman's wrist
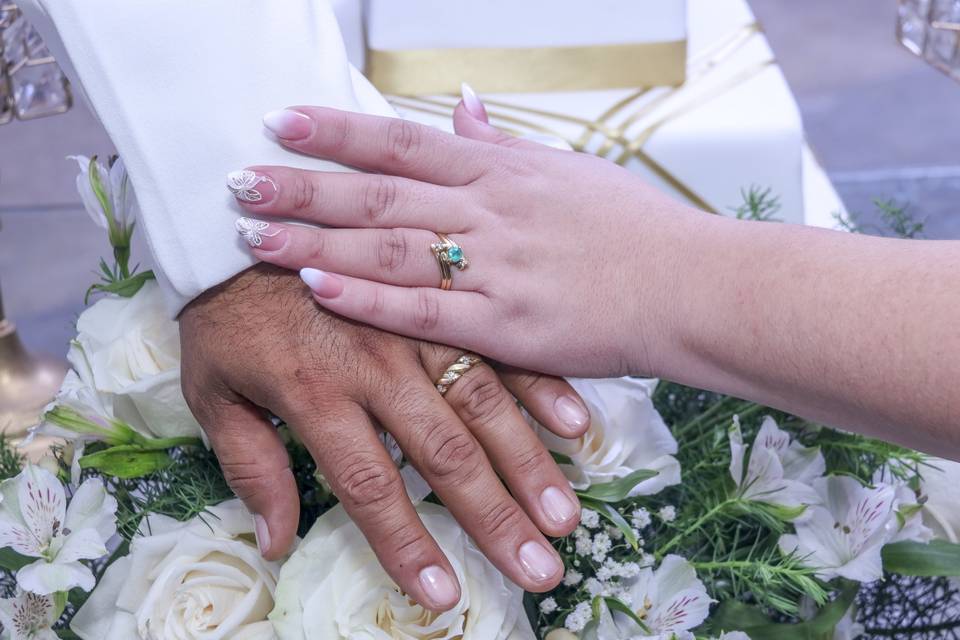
661	279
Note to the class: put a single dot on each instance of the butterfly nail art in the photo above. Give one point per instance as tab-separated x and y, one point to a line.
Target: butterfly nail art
252	230
243	185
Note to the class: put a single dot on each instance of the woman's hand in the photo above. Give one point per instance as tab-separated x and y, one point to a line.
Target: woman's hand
556	241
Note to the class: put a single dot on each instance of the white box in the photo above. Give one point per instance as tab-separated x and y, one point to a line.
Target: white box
419	47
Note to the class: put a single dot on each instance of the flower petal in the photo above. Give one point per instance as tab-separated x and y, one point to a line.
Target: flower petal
85	544
91	507
43	502
45	578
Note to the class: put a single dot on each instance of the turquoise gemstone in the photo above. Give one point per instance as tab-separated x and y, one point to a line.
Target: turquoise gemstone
455	254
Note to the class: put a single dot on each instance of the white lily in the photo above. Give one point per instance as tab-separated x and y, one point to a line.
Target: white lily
910	524
779	470
626	434
28	616
844	536
114	209
669	601
36	522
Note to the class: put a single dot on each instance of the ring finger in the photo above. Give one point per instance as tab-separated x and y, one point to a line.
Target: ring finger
402	257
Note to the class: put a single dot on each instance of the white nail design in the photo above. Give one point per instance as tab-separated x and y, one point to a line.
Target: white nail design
252	230
243	185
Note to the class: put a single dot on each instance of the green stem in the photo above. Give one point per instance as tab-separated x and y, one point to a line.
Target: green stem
694	526
170	443
719	565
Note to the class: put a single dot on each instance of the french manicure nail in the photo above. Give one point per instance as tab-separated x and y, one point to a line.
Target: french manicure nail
248	186
287	124
261	235
557	505
571	412
323	284
262	533
439	587
472	103
538	563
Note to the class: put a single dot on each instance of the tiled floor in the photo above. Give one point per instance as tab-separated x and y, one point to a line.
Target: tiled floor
884	124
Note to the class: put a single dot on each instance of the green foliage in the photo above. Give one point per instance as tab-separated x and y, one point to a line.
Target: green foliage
182	490
618	490
11	462
936	558
895	219
758	204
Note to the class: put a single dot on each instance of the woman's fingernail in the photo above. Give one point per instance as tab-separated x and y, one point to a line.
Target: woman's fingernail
262	235
538	563
323	284
287	124
557	505
262	533
472	103
571	413
250	186
439	587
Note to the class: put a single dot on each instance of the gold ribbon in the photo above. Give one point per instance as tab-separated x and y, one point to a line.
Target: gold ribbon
617	145
514	70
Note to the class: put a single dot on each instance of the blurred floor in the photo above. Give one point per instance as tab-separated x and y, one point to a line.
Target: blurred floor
884	124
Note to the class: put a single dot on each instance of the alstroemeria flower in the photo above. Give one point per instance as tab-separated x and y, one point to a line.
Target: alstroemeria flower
843	536
35	521
626	434
909	510
114	208
669	601
28	616
779	470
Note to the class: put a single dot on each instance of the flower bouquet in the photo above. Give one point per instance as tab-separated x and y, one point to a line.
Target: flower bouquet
704	516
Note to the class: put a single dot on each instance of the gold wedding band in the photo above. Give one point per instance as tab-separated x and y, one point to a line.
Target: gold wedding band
447	252
456	371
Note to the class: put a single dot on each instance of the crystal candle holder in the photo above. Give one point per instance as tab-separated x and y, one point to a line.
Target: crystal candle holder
931	29
31	83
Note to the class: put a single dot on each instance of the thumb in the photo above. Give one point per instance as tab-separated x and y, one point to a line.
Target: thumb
470	120
255	464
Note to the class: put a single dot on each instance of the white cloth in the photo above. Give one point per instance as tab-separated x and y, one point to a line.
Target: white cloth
181	87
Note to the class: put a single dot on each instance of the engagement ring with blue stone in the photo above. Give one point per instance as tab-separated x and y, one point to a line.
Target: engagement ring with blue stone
448	253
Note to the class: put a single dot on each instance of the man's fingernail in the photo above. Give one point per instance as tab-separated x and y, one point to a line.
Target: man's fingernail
287	124
262	532
439	587
557	505
571	412
250	186
262	235
472	103
537	562
323	284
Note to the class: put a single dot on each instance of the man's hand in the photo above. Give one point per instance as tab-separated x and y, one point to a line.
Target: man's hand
258	342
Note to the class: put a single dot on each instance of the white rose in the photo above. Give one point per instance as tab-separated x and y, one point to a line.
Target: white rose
939	486
126	361
203	578
626	434
334	587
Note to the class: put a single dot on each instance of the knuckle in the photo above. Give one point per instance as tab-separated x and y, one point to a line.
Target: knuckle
532	461
526	381
376	303
249	478
404	140
482	397
365	482
451	453
427	312
338	132
500	518
392	250
304	194
379	198
409	540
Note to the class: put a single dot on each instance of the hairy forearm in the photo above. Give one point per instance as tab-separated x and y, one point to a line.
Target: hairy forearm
853	331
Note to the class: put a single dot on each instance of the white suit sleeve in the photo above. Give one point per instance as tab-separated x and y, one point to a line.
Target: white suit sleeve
181	87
